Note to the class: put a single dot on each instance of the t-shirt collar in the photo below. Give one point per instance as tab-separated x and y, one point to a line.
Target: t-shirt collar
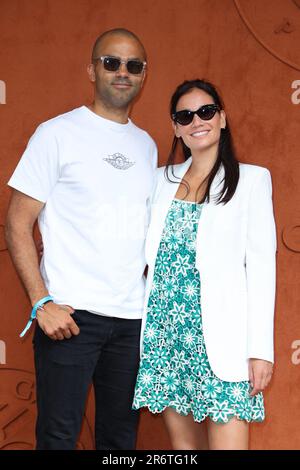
107	123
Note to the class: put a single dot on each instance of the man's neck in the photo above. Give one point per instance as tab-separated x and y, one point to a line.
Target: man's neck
117	115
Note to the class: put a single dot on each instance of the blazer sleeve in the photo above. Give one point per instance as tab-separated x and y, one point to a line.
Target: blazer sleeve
261	269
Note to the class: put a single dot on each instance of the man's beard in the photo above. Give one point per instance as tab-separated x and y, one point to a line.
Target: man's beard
117	99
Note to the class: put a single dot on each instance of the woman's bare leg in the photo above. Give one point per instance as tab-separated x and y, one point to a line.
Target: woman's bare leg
233	435
184	432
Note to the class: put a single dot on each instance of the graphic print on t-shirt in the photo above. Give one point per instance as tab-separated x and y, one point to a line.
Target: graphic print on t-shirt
119	161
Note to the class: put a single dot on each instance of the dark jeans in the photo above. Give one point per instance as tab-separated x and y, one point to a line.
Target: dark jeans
105	353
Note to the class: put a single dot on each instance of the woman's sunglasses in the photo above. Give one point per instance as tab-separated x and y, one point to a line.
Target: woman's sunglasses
112	64
205	112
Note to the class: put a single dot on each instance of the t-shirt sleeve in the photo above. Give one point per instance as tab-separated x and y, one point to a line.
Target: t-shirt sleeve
38	170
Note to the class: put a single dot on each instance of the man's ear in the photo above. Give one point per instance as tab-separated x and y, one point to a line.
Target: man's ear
91	72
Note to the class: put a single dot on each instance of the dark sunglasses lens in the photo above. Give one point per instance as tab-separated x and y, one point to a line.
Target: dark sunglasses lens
184	117
135	67
207	112
111	64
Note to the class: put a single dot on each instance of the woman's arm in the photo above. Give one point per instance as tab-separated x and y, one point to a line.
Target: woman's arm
261	269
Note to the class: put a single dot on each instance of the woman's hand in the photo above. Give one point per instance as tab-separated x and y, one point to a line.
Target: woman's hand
260	373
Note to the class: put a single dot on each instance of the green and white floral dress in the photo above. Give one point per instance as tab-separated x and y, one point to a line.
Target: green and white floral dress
174	369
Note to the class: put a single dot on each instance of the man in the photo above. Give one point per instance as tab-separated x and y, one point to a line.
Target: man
87	176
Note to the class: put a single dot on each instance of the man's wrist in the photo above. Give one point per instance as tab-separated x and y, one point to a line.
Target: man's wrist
45	305
37	298
34	310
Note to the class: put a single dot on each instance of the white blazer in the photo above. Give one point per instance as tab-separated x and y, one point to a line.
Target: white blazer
236	258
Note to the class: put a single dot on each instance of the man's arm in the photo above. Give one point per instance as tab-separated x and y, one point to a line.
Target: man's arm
23	211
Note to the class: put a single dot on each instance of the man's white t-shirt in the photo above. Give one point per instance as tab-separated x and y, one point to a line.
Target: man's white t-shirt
95	177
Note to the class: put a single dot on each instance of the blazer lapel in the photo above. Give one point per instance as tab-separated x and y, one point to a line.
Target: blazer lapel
168	189
161	205
208	220
162	201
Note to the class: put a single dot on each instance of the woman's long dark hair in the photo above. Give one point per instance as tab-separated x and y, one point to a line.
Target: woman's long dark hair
226	153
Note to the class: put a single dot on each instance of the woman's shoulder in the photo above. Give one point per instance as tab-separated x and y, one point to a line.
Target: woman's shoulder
254	176
252	173
250	170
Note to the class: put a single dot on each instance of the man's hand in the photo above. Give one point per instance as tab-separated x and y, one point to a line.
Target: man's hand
56	321
260	373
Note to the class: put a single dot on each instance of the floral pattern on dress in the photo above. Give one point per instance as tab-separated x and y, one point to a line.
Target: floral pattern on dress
174	368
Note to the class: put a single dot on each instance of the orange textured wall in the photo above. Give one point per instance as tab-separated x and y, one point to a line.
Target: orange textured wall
250	49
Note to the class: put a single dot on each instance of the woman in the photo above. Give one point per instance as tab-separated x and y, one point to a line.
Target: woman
207	331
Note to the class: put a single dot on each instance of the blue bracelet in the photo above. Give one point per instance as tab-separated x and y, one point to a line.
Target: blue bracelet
33	313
